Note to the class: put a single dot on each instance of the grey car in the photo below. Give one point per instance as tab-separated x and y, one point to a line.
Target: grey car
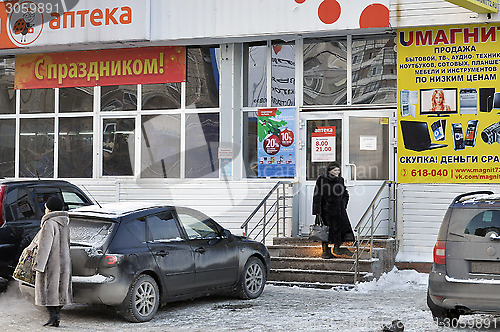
465	275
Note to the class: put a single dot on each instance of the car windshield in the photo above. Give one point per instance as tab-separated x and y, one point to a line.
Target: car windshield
88	232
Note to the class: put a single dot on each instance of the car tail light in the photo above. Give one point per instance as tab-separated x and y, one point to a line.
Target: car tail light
3	189
111	260
440	252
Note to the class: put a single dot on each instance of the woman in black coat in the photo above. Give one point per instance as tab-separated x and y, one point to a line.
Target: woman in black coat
330	202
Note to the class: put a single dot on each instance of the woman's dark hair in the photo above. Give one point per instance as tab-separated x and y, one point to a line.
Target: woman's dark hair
332	165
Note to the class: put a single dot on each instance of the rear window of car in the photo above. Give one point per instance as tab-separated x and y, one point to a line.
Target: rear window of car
483	223
475	223
90	232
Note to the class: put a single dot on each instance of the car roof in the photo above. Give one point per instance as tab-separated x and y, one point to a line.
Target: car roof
34	181
473	199
116	209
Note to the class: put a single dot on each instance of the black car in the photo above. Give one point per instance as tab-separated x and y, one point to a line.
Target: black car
21	209
136	257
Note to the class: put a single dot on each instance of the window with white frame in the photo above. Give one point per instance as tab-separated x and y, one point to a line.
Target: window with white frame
177	125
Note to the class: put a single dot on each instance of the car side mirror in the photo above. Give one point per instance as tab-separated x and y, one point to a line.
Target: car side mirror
226	233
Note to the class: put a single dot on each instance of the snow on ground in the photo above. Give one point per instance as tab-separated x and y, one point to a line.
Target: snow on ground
396	295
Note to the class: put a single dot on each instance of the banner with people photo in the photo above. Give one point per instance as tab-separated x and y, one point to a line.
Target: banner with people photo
449	104
276	142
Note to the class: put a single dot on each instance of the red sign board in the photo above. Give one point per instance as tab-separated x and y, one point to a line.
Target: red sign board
146	65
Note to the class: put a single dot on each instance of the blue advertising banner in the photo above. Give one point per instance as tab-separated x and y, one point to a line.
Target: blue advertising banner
276	142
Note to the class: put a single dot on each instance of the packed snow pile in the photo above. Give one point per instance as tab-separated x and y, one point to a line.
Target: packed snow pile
396	279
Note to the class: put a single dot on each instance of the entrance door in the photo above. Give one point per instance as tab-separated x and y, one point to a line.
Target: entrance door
361	143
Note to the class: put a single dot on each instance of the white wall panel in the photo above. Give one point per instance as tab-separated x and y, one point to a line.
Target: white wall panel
413	13
420	212
216	19
229	203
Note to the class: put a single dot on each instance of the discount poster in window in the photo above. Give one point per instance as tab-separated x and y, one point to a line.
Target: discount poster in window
323	144
276	142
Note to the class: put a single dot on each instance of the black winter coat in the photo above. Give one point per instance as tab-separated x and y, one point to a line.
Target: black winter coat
330	202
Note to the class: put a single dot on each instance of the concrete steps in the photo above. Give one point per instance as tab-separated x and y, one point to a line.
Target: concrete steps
298	262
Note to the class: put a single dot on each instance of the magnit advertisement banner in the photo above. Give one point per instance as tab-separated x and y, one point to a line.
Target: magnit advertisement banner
449	104
276	142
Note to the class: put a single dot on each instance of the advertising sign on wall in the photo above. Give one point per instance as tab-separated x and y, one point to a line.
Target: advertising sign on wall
28	23
449	104
276	142
101	67
323	144
478	6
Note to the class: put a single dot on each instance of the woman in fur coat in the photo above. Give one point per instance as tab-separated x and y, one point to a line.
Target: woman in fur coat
330	202
53	262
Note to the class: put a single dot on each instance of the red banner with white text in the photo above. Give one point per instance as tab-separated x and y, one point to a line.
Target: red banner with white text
148	65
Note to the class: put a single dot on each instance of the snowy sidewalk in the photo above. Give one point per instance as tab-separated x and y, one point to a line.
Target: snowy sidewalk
396	295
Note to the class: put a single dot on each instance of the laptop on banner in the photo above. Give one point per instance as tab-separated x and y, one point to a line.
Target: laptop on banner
416	136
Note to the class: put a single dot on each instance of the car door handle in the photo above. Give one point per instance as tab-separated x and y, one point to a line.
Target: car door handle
200	250
161	253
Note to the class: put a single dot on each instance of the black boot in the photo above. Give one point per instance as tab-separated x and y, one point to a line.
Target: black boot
327	254
54	316
341	252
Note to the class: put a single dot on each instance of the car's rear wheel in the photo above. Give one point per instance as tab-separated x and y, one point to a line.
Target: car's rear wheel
253	279
142	300
442	316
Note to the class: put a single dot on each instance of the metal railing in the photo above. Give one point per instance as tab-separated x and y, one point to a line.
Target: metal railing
371	221
275	212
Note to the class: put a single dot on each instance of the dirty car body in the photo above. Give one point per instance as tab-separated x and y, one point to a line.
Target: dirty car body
124	252
465	276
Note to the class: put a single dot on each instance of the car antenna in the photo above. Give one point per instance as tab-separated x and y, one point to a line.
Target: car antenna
88	192
37	175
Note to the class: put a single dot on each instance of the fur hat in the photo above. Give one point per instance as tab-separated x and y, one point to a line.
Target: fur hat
54	204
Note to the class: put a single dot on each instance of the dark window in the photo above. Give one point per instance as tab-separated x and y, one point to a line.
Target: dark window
75	147
162	227
119	98
202	82
19	205
197	225
7	147
484	223
137	228
37	101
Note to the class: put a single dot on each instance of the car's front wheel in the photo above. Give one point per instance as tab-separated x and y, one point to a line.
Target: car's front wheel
253	279
142	300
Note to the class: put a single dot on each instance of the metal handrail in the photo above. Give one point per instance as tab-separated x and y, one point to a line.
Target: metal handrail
262	202
373	201
361	226
275	207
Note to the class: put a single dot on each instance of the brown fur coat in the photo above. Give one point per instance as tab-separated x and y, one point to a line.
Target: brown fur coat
53	261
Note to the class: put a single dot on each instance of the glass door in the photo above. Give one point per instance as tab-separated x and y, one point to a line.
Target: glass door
360	142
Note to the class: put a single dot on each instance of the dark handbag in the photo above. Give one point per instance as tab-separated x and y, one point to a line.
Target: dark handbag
24	270
319	231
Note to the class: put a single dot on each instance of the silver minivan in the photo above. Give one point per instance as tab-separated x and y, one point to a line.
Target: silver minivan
465	275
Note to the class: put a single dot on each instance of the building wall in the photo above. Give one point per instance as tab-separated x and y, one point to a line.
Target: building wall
228	202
